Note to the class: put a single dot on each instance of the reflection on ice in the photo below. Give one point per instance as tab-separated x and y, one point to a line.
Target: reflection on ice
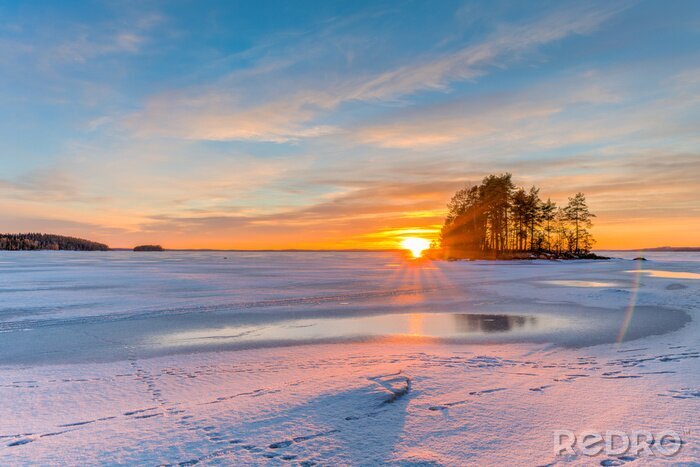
426	325
575	283
667	274
468	323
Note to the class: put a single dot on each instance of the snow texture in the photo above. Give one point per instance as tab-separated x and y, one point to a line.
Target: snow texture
232	358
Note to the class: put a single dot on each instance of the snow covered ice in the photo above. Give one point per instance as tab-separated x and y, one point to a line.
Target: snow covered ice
340	358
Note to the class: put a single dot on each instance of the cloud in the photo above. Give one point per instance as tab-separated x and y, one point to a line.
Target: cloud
91	231
42	185
54	48
376	213
508	117
86	47
126	32
343	219
216	116
203	211
607	107
293	105
504	45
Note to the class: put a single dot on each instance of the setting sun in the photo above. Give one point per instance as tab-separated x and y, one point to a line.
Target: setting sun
415	245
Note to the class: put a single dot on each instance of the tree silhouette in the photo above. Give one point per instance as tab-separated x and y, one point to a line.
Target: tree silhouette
496	219
548	212
38	241
577	212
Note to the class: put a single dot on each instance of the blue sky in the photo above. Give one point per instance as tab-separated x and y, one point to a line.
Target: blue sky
342	124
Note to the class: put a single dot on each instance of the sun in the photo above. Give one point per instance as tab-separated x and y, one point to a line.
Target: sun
415	245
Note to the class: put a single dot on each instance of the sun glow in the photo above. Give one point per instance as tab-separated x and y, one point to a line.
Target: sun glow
415	245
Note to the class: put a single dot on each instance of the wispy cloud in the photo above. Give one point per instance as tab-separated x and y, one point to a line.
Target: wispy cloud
221	116
84	47
229	109
506	44
43	185
376	214
593	107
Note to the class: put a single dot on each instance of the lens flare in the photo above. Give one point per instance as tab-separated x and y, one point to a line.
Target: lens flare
629	312
415	245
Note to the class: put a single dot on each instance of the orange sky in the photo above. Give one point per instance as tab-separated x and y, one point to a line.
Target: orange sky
378	217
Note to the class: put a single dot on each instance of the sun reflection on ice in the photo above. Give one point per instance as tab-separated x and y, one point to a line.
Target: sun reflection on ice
666	274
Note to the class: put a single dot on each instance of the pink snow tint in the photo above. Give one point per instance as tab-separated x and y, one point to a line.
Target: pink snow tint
397	401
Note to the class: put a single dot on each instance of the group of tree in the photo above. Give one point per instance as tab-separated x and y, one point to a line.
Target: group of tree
148	248
39	241
498	219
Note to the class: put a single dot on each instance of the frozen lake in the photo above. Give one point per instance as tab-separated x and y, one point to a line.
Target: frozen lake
102	306
254	358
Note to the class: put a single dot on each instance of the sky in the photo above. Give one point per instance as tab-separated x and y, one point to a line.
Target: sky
325	124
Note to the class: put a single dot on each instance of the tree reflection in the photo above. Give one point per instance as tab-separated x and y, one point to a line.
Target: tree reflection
471	323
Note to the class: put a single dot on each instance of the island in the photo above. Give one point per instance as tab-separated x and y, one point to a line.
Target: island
148	248
497	220
40	241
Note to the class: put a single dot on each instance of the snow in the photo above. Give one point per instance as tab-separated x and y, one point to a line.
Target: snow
252	358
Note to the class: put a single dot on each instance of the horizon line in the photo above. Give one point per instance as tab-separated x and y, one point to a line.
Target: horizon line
661	248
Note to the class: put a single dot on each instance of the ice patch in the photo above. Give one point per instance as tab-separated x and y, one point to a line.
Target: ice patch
666	274
578	283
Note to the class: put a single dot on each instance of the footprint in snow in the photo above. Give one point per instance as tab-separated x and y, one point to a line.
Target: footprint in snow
473	393
620	460
300	439
683	393
396	384
20	442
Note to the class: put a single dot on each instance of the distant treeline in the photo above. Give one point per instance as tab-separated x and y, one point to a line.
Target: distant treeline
498	219
39	241
148	248
671	248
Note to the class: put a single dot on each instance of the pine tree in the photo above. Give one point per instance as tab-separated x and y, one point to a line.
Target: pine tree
578	214
548	212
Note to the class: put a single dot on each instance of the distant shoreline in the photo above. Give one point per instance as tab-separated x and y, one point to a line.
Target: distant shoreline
282	250
369	250
354	250
687	249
